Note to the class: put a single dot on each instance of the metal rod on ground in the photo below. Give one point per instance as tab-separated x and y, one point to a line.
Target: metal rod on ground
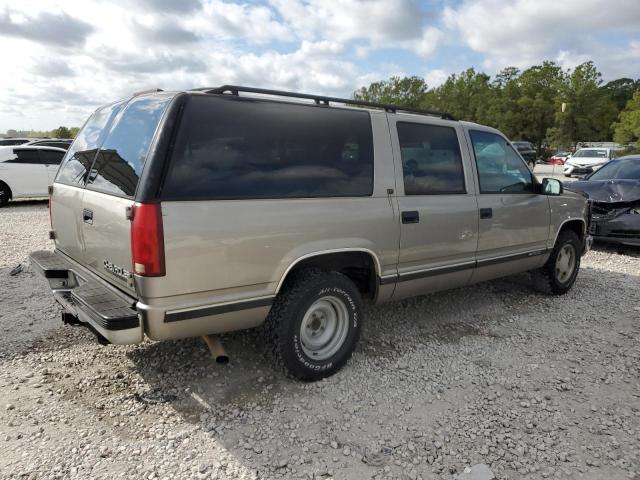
216	348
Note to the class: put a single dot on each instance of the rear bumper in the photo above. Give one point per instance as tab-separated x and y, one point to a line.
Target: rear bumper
91	300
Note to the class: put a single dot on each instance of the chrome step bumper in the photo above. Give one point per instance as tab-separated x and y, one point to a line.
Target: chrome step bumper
111	313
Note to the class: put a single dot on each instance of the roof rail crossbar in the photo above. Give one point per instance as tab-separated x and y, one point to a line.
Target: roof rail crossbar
322	100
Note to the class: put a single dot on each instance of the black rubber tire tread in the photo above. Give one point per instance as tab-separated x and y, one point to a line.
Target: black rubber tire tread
547	277
4	199
282	323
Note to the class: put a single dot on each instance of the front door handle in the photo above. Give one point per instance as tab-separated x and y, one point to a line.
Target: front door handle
87	216
410	217
486	213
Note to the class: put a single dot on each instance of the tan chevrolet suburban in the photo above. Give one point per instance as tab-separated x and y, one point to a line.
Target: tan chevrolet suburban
181	214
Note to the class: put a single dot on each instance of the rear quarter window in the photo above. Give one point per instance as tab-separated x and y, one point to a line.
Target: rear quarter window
82	152
231	148
119	162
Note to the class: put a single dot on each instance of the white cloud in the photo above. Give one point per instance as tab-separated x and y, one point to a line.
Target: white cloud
523	32
435	78
68	56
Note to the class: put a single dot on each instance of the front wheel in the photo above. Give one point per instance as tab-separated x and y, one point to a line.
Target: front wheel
314	324
561	270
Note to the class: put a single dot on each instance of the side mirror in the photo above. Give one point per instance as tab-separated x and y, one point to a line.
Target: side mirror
551	186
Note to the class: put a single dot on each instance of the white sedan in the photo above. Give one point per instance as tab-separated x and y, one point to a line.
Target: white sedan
27	171
587	160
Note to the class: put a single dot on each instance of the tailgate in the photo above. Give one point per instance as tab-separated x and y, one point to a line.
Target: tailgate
107	238
91	220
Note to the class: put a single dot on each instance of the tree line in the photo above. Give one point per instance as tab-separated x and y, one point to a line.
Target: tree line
546	105
60	132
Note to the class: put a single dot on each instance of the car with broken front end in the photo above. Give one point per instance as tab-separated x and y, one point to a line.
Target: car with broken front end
614	193
195	213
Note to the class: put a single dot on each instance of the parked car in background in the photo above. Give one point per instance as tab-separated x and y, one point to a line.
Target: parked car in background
614	193
558	158
27	171
7	142
180	214
51	142
528	152
587	160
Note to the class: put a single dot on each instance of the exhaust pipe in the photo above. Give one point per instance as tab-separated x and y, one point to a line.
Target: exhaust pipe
216	349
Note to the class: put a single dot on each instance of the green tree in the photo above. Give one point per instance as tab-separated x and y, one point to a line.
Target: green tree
503	111
73	132
621	90
627	128
589	111
539	86
467	96
405	91
61	132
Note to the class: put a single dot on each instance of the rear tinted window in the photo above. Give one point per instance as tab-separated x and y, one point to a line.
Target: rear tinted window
120	160
27	155
51	157
83	150
431	159
229	148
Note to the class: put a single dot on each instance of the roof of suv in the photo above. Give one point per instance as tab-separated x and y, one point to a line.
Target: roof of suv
318	99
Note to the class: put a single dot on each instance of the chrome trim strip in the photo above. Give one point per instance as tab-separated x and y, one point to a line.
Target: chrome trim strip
430	272
218	309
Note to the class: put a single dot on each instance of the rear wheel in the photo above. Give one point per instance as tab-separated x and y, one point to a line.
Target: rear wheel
561	270
314	324
5	194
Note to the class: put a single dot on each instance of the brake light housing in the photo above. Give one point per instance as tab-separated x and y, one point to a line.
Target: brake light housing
147	240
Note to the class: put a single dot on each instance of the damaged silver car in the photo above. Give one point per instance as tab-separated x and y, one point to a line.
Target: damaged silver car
614	194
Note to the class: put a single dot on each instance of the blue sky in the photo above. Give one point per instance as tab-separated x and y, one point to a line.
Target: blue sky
67	57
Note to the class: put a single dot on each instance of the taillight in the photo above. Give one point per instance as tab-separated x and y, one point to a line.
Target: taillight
147	240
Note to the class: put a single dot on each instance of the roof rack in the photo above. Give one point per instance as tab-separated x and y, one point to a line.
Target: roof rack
321	100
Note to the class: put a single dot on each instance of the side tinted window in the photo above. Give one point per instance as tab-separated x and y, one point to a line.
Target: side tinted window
500	168
51	157
80	155
431	159
120	160
229	148
29	156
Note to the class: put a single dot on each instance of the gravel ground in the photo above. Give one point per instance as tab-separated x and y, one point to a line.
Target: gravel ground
532	386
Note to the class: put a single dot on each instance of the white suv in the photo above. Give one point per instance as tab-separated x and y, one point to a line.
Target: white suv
587	160
27	171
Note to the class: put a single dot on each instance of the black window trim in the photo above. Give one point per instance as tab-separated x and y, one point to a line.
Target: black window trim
534	181
462	163
162	195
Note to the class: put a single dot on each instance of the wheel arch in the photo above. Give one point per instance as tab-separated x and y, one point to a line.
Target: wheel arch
577	225
361	265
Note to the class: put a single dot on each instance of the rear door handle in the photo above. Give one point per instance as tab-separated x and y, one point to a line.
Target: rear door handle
486	213
87	216
410	217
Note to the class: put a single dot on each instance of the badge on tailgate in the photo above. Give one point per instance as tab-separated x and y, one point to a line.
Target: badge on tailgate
119	272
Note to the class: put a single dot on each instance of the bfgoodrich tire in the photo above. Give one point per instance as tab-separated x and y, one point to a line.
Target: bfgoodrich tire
314	324
561	270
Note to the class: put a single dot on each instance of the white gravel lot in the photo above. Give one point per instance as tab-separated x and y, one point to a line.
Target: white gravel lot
531	385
